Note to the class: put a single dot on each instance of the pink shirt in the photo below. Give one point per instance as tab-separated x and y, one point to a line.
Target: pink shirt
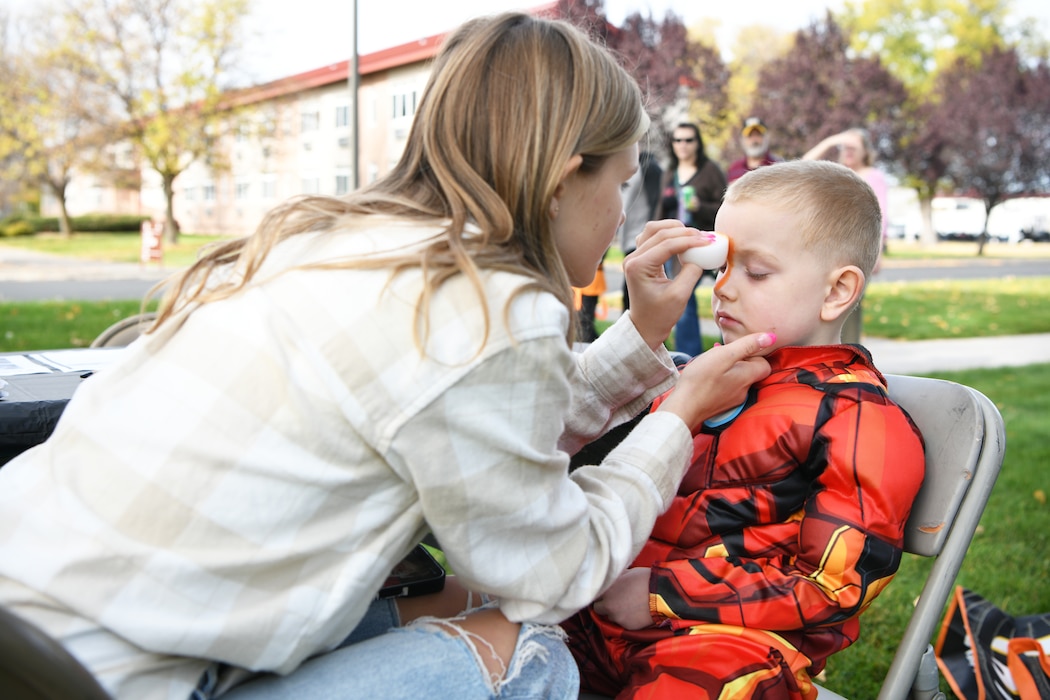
877	180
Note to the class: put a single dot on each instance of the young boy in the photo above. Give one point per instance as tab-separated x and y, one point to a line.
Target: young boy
790	519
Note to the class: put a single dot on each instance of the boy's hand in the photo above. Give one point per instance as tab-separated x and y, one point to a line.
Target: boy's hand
627	601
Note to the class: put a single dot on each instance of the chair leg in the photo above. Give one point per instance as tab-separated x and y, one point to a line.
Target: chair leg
928	679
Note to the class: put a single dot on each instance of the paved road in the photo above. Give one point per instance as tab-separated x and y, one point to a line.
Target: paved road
26	276
918	270
964	268
29	276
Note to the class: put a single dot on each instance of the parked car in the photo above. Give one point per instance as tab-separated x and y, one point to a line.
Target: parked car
958	218
1035	234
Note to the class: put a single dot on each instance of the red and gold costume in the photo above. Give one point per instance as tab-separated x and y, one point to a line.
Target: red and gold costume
788	523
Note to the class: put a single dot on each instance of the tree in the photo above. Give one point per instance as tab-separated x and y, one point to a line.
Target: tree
916	39
668	65
756	45
164	65
682	78
46	130
588	15
994	118
818	88
38	135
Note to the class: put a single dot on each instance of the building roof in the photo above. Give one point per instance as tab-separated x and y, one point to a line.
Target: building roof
393	57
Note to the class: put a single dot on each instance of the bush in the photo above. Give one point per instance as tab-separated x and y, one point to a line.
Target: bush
15	226
110	223
19	225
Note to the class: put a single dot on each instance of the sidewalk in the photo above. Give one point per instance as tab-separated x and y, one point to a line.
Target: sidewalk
891	356
916	357
18	265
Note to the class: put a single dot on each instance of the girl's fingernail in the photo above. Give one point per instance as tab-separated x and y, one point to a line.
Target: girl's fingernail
710	236
767	339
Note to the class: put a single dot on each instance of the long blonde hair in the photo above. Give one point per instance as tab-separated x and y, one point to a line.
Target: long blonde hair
510	99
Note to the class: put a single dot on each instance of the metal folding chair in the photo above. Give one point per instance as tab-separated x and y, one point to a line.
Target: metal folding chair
124	331
965	443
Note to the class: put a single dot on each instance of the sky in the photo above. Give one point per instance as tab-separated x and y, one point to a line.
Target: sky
293	36
300	35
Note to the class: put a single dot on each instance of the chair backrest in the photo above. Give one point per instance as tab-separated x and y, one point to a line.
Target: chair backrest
953	427
33	666
124	331
965	443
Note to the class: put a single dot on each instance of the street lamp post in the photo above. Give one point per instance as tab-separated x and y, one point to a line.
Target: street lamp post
353	83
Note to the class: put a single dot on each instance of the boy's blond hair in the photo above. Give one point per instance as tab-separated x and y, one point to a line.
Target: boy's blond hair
840	215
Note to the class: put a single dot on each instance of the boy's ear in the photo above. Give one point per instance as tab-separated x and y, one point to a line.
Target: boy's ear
571	167
846	285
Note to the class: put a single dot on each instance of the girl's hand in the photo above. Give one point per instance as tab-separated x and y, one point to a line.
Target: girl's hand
656	301
627	601
718	379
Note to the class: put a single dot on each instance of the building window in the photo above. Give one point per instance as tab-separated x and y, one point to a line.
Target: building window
344	142
269	188
241	191
311	185
342	184
342	115
311	121
190	194
404	104
208	192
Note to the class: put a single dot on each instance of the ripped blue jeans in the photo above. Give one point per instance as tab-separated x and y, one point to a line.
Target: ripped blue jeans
424	659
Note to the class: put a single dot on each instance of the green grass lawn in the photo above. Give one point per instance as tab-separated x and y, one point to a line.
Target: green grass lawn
941	308
52	325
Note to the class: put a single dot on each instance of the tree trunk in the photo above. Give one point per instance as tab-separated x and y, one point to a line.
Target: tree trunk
927	234
171	227
983	238
65	223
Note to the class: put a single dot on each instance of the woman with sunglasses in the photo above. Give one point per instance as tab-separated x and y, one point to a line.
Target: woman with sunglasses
692	189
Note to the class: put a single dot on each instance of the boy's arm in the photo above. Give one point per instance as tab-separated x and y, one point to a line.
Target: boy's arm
849	537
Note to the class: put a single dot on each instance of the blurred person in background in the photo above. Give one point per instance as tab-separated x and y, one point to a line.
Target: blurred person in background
854	149
755	140
639	206
691	192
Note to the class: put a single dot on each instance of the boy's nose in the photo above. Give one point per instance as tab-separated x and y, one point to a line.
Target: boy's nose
723	289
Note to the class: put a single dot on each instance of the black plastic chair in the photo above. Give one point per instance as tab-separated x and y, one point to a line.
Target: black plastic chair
33	666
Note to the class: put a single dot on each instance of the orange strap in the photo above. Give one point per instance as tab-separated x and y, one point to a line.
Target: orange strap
1021	672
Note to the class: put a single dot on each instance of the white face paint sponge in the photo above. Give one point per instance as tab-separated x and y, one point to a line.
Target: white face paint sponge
709	257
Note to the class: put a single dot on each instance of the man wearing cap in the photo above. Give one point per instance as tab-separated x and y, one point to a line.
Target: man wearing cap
754	138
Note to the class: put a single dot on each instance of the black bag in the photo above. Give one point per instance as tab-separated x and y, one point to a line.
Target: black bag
986	654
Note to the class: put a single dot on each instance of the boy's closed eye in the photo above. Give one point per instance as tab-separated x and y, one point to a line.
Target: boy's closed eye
756	275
